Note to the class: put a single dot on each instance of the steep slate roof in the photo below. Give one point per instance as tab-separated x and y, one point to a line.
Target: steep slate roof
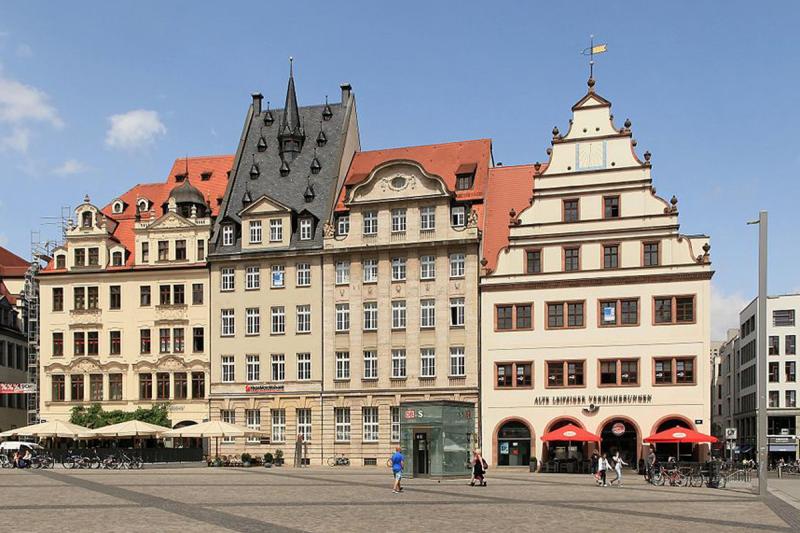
444	160
508	188
12	265
287	190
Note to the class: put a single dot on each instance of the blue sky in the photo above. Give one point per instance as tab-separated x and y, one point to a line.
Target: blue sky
98	96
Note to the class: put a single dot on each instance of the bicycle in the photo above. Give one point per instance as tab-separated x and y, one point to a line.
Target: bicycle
42	460
5	462
341	460
673	476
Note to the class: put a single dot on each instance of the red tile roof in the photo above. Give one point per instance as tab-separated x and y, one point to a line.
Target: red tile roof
508	188
443	160
12	265
4	292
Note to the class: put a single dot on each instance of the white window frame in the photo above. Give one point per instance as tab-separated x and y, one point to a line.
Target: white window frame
399	269
370	270
228	369
304	424
342	365
278	417
304	318
253	368
228	322
342	272
278	367
252	278
228	416
252	321
305	229
343	225
303	274
427	359
427	267
399	367
370	223
370	364
255	232
370	310
427	313
457	265
275	230
398	314
341	417
277	320
342	317
252	419
395	424
227	279
457	320
458	362
228	235
458	216
303	366
277	276
427	218
399	220
371	424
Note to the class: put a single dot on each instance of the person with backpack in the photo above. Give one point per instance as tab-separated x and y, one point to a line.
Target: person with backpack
479	467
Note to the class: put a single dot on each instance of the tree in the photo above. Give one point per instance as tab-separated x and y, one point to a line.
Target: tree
95	417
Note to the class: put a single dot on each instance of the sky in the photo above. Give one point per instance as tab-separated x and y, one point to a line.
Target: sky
96	97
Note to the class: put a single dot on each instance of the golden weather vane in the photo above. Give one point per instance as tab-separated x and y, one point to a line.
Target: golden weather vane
591	51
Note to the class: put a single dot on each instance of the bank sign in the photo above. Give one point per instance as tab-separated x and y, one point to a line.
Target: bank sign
264	388
419	414
17	388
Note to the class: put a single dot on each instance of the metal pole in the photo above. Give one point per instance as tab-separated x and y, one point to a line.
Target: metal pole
761	425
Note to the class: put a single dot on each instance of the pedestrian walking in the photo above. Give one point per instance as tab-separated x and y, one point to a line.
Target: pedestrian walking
595	471
602	466
397	470
479	467
618	464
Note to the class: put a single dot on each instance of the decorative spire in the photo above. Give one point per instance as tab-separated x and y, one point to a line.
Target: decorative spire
327	113
254	170
268	118
308	195
262	142
284	168
315	165
291	134
321	137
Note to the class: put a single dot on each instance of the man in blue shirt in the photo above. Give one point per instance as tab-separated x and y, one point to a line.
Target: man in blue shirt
397	469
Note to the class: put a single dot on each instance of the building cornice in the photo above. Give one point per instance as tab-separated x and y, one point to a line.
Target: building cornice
596	281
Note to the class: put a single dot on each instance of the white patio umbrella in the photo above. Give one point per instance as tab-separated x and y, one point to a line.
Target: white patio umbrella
213	429
53	428
131	428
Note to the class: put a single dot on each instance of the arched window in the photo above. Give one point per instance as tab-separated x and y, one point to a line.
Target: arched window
513	444
118	207
142	205
86	219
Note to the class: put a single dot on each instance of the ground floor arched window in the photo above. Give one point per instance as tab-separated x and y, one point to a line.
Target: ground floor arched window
621	435
514	444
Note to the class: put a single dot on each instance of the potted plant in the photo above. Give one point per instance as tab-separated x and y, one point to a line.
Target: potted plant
268	460
278	457
246	459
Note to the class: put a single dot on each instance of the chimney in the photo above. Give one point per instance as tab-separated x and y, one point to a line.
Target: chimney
346	90
257	97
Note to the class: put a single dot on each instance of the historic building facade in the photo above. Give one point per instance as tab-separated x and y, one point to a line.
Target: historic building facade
400	280
13	364
594	308
125	301
266	272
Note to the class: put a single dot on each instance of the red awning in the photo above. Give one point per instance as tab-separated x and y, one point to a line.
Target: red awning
680	434
570	432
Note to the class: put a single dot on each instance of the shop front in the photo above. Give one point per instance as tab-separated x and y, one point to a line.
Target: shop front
437	438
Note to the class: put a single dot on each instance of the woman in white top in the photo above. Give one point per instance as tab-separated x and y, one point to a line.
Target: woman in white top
618	464
602	466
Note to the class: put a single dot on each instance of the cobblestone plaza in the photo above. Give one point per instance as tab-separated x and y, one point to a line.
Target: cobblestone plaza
317	499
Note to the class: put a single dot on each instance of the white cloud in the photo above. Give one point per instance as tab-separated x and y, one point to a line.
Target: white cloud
20	103
134	129
70	167
24	51
725	312
17	140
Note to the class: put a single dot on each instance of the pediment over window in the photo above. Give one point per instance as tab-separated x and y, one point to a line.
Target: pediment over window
264	205
397	180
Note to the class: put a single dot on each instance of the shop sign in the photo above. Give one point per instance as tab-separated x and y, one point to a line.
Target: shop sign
597	399
618	429
730	433
410	414
17	388
264	388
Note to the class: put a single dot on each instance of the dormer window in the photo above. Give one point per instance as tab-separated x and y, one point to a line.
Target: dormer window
180	178
118	207
142	205
86	219
275	230
205	176
464	181
116	259
306	231
227	235
61	261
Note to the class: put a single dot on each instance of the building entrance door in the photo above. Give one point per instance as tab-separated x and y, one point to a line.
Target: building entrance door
422	453
621	436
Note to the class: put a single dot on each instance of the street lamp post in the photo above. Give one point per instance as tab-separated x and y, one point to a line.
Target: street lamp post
761	375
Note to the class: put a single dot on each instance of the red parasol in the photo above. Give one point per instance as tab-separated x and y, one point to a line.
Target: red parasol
570	432
680	434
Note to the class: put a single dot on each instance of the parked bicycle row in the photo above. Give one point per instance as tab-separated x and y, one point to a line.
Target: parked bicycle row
71	460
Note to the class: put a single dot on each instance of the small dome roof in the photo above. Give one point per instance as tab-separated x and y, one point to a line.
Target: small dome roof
186	193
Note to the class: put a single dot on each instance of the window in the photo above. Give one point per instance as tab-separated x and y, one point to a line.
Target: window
228	323
165	294
115	387
255	232
673	309
572	259
427	357
252	419
79	343
303	319
458	216
619	372
198	340
399	314
252	321
228	369
252	278
673	370
163	250
790	345
198	385
774	372
304	424
370	364
611	207
227	235
619	312
427	309
93	297
145	386
76	386
343	225
370	223
180	249
783	317
178	295
92	343
275	230
201	250
79	298
94	257
116	259
115	342
791	398
278	367
774	398
650	254
398	268
342	272
228	416
564	373
80	257
370	316
456	312
571	211
178	341
510	375
197	294
790	371
574	312
227	279
513	316
58	299
464	181
342	418
427	267
774	345
370	270
342	365
370	415
610	256
162	386
58	388
144	341
303	275
61	262
398	220
278	425
427	218
533	261
305	229
395	432
304	366
457	362
342	317
457	265
253	368
398	363
58	345
145	252
144	296
164	340
278	320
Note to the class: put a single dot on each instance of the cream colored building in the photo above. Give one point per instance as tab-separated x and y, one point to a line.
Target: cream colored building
595	308
400	292
125	301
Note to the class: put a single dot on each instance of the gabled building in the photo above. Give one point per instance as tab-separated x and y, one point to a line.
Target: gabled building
125	301
266	271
